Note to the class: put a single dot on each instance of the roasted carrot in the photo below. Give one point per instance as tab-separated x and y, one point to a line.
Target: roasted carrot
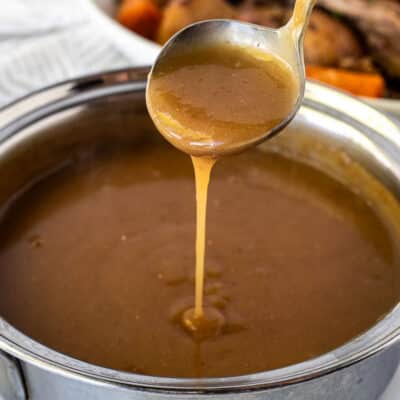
140	16
357	83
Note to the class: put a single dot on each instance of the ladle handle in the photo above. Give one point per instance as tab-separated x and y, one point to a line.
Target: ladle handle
300	18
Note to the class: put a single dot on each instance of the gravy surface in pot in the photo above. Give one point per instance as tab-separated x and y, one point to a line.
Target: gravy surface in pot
97	260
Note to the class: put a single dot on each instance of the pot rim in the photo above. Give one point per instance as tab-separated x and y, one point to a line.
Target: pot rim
32	108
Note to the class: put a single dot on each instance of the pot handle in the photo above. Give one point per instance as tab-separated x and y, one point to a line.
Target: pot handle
11	381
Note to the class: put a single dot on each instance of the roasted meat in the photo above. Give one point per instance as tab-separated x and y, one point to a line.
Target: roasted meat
328	41
379	23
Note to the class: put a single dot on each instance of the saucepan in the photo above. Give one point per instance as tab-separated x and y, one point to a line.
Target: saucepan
51	126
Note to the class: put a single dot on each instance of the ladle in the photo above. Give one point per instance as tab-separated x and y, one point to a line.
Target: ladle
285	43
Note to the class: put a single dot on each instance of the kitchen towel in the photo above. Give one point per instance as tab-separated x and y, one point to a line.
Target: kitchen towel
47	41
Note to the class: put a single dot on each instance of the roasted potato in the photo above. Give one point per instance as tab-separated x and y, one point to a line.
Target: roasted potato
180	13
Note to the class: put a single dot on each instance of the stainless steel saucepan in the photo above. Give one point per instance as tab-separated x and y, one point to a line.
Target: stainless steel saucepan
53	125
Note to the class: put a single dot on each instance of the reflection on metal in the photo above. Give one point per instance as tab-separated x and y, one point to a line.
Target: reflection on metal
11	384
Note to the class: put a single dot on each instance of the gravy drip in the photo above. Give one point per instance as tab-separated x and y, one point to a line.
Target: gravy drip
202	322
214	99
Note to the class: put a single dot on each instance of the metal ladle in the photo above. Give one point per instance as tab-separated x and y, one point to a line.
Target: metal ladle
286	43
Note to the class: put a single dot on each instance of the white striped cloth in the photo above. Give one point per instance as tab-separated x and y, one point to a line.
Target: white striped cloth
46	41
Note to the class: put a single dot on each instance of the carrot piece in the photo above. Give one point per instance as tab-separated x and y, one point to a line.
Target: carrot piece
140	16
357	83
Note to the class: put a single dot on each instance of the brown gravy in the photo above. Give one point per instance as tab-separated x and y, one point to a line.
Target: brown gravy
97	262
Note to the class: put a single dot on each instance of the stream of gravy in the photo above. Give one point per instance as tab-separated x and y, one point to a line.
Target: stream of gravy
202	322
202	170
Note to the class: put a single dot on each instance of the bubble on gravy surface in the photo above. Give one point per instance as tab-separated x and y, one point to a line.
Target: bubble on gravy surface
97	262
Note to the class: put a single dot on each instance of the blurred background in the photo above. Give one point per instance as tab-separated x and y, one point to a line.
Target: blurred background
351	44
